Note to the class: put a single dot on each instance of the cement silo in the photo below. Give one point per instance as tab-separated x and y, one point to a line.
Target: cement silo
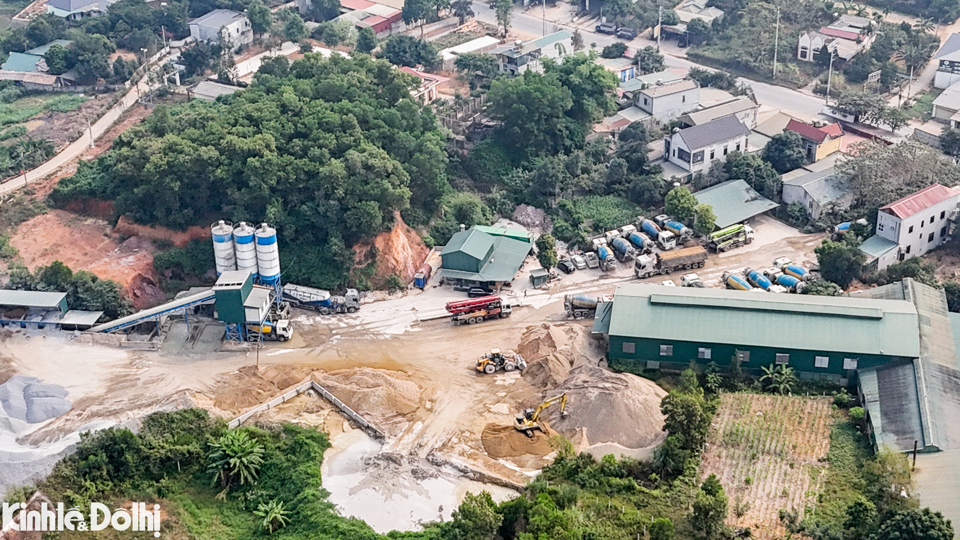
246	248
223	255
268	255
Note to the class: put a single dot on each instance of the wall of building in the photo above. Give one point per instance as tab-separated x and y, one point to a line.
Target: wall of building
942	113
704	165
670	106
803	361
944	79
829	146
796	194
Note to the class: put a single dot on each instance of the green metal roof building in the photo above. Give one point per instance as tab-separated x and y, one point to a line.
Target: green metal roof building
820	337
476	257
733	202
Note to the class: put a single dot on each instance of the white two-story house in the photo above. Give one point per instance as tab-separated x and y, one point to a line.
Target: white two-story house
521	56
696	149
222	26
666	101
912	226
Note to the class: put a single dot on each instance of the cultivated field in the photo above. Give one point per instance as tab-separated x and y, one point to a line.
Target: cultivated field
766	451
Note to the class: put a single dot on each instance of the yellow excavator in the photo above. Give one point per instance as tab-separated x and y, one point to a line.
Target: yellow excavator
529	420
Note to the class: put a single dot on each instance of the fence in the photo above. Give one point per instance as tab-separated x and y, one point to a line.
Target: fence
310	385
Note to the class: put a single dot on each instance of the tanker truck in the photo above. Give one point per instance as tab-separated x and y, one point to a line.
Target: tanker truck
622	249
579	306
735	282
757	279
665	239
666	262
607	260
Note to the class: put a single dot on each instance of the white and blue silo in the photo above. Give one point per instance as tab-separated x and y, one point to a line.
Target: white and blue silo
268	255
245	248
223	253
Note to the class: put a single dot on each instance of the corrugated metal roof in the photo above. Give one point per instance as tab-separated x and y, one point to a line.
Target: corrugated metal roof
919	201
815	134
876	246
938	483
670	88
601	320
516	234
473	242
42	50
890	396
40	299
844	325
951	46
822	186
218	18
734	201
708	114
504	262
76	317
939	379
21	62
721	129
950	98
28	77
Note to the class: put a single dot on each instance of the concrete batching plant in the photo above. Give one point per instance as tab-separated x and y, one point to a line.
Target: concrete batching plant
244	248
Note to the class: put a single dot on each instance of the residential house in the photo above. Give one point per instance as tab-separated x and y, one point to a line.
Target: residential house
480	45
696	149
816	190
222	25
846	37
627	91
948	69
697	9
947	105
429	84
623	68
743	107
818	142
29	69
669	100
912	226
517	58
77	9
382	19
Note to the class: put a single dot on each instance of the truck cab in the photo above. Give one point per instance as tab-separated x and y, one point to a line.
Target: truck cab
691	280
645	266
667	240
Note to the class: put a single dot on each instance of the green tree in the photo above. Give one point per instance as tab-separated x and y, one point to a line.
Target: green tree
661	529
698	32
916	525
840	262
888	477
952	289
324	10
614	50
532	112
778	378
291	25
949	141
366	40
417	11
475	519
261	18
759	174
705	221
577	40
463	10
895	118
592	87
273	516
686	418
56	59
547	251
861	518
410	51
234	457
680	203
822	288
784	151
649	60
504	11
471	63
710	508
862	106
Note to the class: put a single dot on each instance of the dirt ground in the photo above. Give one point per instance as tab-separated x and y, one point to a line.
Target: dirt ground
767	452
65	127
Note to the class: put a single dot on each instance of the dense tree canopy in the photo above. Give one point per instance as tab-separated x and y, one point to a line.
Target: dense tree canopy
329	152
784	151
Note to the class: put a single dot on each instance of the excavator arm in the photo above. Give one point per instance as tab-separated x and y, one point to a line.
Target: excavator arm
529	419
562	399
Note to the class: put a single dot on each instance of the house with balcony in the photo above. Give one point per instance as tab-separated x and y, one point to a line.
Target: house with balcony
697	149
521	56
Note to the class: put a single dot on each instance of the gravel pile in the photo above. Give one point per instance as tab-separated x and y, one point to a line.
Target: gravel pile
30	400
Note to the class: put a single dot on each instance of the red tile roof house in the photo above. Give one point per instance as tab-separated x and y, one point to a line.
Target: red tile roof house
912	226
818	142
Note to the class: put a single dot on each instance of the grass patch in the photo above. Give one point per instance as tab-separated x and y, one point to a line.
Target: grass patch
922	107
842	483
27	107
64	103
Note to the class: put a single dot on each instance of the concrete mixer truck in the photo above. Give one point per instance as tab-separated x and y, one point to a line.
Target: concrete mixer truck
757	279
622	249
733	281
579	306
791	269
665	239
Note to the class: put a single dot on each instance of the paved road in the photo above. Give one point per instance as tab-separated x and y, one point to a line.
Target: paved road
77	147
778	97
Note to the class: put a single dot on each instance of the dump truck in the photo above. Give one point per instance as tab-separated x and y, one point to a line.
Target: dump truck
607	261
497	360
666	262
622	249
477	310
321	301
691	280
269	331
735	282
757	279
579	306
730	237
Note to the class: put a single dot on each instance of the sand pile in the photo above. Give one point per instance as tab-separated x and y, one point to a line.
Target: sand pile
607	407
374	392
551	351
502	441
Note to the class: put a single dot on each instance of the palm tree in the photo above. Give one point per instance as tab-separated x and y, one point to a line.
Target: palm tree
234	456
861	10
273	514
463	9
924	25
913	56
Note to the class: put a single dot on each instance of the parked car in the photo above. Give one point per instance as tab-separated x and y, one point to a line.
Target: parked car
567	267
606	28
627	33
579	262
475	292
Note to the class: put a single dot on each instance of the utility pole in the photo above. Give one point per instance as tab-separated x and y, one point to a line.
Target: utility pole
776	43
90	130
659	26
829	75
543	15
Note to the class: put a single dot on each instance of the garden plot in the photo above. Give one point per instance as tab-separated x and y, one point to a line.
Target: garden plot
767	451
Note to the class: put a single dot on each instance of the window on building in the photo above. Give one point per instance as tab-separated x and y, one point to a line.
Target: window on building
943	232
803	53
942	214
930	237
879	226
698	157
666	350
712	155
783	358
644	101
683	99
910	230
821	361
724	150
849	363
921	224
908	249
738	147
743	356
704	353
629	347
931	219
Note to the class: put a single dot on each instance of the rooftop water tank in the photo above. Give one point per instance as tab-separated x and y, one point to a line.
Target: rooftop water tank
223	255
268	255
246	249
